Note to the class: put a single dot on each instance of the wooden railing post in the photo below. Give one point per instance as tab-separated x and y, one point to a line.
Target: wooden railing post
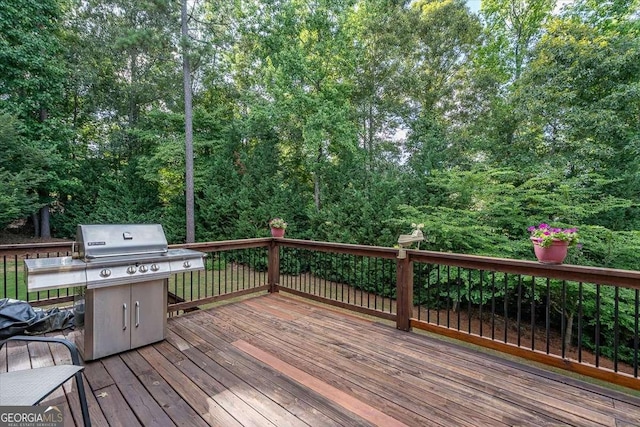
404	288
273	266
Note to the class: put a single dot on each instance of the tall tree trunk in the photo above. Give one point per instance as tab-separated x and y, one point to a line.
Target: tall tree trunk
568	331
45	228
35	218
316	191
316	181
188	126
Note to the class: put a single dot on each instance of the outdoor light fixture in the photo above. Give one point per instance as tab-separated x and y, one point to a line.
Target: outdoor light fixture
406	240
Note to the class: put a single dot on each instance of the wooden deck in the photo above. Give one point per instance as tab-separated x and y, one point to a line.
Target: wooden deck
279	361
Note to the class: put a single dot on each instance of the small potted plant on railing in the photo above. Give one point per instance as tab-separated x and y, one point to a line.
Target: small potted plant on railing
551	244
277	226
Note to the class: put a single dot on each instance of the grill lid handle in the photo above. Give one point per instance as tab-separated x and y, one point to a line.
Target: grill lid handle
127	236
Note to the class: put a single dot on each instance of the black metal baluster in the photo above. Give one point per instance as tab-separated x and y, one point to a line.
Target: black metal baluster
369	282
481	304
298	277
240	267
324	264
533	313
616	328
428	291
519	314
184	286
316	288
15	276
235	283
459	297
469	302
361	282
597	337
635	334
206	274
563	322
506	308
350	281
580	300
493	305
258	276
384	281
5	285
548	316
438	282
220	264
342	262
448	295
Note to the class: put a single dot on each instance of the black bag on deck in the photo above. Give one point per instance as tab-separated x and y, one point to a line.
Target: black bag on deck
19	318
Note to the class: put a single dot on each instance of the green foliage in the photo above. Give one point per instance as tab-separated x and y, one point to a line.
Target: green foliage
17	178
581	100
350	119
32	80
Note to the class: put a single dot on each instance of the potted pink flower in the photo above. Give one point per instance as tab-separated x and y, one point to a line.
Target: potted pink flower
277	225
551	244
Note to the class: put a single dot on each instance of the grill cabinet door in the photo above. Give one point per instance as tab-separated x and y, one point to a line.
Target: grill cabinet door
148	312
111	320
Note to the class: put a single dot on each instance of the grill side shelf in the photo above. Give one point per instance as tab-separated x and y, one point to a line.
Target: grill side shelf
44	274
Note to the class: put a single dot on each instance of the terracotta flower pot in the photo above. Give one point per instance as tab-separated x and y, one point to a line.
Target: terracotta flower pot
277	232
554	254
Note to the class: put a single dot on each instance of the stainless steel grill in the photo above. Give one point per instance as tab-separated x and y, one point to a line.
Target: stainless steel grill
123	270
109	255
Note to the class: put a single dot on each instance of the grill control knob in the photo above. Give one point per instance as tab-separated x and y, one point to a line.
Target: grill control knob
105	272
143	269
131	269
186	264
154	267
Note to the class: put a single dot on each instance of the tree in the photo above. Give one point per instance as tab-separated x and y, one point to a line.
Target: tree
514	27
380	44
122	55
301	51
512	30
32	77
188	125
18	178
581	100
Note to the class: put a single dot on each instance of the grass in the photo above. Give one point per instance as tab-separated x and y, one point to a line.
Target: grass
224	279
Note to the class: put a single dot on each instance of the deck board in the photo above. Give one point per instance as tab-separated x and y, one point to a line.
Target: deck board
275	360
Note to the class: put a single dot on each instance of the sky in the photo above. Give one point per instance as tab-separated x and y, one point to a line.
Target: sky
474	5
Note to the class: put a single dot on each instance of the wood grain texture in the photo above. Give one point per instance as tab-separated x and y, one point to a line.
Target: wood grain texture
277	360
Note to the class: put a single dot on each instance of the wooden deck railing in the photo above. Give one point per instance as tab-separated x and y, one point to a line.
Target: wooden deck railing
583	319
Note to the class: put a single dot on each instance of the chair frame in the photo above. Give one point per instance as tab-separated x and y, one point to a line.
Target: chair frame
75	358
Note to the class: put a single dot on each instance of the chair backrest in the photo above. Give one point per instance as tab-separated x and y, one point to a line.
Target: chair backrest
29	387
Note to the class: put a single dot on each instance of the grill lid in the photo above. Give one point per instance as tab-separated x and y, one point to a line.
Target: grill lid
116	240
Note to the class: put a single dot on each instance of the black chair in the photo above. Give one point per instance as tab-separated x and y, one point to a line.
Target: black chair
28	387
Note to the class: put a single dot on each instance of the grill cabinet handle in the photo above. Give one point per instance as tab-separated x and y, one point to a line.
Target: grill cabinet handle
137	313
124	316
